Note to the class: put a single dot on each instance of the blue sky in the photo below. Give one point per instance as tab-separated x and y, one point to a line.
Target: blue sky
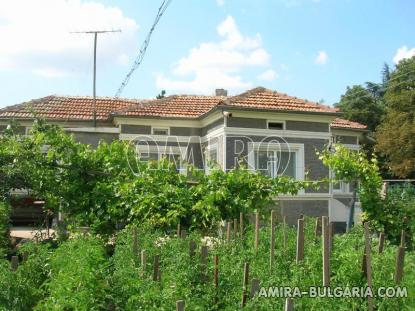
307	48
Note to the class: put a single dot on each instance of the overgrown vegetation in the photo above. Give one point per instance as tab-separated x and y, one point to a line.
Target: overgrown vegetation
4	227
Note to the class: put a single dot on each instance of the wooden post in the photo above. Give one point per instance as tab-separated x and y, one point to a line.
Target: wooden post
203	263
135	242
381	242
228	232
235	228
156	267
300	240
180	305
272	241
245	284
14	263
256	231
254	287
284	232
400	260
326	252
317	227
178	230
289	304
192	248
143	262
241	224
216	271
368	265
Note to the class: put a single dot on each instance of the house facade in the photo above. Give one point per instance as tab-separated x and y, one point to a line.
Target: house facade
268	131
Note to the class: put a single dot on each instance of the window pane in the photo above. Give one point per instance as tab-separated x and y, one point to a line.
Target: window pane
160	131
263	162
213	155
286	163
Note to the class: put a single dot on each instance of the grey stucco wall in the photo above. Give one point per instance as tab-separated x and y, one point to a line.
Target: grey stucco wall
347	139
247	123
292	209
185	131
135	129
212	126
93	139
237	150
307	126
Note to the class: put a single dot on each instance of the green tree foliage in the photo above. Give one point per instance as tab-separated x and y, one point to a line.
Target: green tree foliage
360	105
4	226
395	136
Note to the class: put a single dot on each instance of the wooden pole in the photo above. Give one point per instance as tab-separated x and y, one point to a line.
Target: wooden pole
256	231
143	262
14	263
178	230
326	252
289	304
228	232
272	241
180	305
400	260
300	240
203	263
316	228
245	284
216	271
381	242
156	267
241	225
235	228
192	248
254	287
368	265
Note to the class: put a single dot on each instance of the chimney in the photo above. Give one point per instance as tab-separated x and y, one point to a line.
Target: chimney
221	92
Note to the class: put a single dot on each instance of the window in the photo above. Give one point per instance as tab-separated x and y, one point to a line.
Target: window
160	131
275	160
275	125
172	154
339	186
211	157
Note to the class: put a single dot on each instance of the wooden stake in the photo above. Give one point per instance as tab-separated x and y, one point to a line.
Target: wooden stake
143	262
178	230
256	231
300	240
14	263
400	260
180	305
203	263
254	288
245	284
326	252
156	267
289	304
368	265
241	225
402	238
235	228
192	248
272	241
216	277
228	232
381	242
317	228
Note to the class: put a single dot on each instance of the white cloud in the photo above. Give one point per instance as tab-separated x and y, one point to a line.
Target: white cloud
217	64
268	75
321	58
220	2
35	35
403	53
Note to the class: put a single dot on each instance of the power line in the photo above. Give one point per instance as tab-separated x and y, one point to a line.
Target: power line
144	46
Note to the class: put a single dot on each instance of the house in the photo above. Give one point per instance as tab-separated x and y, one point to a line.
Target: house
269	131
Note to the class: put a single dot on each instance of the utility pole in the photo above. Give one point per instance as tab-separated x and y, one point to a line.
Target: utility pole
95	33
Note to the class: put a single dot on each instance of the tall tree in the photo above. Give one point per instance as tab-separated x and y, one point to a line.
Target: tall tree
396	135
360	105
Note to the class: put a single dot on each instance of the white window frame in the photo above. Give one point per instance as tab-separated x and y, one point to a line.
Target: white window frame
208	149
153	128
344	187
298	149
284	127
166	150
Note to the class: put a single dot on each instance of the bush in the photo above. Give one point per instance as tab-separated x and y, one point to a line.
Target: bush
77	281
4	227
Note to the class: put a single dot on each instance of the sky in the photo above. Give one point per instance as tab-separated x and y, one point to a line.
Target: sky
310	49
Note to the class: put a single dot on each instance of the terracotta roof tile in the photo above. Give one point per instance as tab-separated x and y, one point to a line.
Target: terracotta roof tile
262	98
66	108
346	124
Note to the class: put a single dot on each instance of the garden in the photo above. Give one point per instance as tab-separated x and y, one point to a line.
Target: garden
159	240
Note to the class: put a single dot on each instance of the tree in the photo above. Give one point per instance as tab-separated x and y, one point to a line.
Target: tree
161	95
396	135
360	105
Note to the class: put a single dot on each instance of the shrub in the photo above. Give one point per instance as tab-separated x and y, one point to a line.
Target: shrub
4	226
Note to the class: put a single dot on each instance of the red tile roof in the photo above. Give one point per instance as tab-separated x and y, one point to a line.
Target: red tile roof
66	108
262	98
346	124
177	106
